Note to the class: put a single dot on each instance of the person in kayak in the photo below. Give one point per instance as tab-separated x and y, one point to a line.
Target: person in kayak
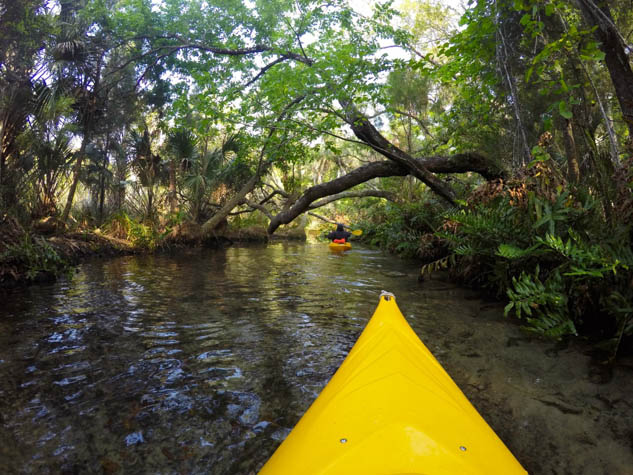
340	235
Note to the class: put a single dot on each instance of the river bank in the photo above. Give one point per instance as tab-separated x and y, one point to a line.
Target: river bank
32	256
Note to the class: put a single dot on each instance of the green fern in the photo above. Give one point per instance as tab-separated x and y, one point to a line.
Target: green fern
542	304
552	213
512	252
553	325
465	250
484	228
584	260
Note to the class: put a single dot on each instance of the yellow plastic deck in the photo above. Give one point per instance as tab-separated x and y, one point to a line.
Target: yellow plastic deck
391	409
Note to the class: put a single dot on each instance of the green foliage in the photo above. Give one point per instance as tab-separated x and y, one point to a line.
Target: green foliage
181	144
399	228
542	304
145	236
512	252
587	260
486	227
551	215
561	268
36	256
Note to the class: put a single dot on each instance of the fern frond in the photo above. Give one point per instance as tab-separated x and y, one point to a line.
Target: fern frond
553	325
510	251
442	263
544	304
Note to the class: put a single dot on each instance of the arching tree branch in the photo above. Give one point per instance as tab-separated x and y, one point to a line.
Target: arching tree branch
460	163
323	218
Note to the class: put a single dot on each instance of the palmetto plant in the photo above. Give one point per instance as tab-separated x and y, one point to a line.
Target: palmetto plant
53	160
200	178
181	147
205	172
147	166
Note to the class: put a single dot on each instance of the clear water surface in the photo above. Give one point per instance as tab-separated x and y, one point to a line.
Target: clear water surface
202	362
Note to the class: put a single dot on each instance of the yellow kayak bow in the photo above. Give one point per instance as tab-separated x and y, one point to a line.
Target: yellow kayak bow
391	409
338	247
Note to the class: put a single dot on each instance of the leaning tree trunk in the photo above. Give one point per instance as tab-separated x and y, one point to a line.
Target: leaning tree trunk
459	163
263	165
223	212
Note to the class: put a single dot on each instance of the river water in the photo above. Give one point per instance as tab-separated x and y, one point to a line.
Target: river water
202	362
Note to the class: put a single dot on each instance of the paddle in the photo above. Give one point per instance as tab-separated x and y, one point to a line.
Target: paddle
357	232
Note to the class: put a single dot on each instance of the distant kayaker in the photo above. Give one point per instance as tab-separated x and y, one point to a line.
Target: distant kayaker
339	234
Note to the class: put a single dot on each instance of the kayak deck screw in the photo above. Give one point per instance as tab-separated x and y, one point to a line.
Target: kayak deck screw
343	441
462	448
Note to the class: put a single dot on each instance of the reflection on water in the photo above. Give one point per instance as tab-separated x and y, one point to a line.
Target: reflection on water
199	362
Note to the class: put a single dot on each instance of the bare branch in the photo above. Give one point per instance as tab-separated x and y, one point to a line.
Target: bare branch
258	207
323	218
263	70
353	194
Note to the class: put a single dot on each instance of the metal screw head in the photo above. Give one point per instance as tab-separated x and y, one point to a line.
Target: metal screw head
462	448
343	441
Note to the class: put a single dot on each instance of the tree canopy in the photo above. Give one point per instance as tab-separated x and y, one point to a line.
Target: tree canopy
288	83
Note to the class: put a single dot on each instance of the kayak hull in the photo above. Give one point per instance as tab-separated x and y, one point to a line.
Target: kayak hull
391	409
336	247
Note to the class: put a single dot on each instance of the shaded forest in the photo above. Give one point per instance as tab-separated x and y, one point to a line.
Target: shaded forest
495	142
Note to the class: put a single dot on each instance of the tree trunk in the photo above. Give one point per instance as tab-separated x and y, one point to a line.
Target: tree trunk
262	166
76	173
87	126
503	58
173	202
573	168
616	58
150	203
102	192
102	179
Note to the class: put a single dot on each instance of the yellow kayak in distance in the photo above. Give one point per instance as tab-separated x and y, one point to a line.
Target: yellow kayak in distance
391	409
336	247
